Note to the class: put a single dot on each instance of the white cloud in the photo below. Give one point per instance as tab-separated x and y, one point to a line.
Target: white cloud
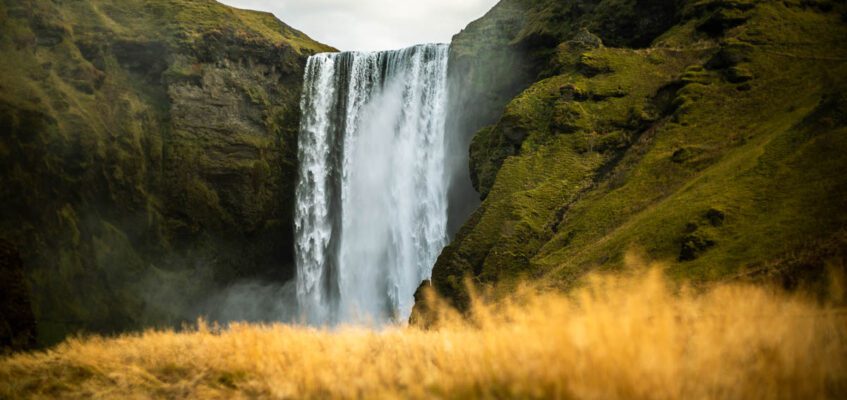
373	24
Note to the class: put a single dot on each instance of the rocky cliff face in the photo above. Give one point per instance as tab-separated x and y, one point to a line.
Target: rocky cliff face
17	324
498	56
706	134
148	154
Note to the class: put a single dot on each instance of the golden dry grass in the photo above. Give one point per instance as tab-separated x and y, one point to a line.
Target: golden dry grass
618	337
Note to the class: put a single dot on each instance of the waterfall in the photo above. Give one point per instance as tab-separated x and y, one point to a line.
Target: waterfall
371	201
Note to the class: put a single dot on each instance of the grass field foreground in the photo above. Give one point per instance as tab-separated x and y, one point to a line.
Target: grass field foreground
633	336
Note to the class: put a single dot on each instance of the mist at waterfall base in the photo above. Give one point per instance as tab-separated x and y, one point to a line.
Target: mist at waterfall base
371	201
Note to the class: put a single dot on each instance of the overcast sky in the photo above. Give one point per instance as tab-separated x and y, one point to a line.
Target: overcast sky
373	24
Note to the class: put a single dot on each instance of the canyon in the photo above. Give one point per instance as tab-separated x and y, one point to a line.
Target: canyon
155	153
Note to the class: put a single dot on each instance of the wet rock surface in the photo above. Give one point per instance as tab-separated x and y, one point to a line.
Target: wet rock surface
17	322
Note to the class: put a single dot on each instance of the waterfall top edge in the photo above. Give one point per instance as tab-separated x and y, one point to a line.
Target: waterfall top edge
371	197
361	52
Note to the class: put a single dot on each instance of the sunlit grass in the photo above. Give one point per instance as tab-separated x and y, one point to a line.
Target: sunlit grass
623	336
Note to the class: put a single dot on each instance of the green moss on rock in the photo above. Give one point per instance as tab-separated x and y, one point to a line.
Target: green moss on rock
144	139
717	150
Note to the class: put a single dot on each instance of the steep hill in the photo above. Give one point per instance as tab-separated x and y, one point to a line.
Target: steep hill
148	154
708	134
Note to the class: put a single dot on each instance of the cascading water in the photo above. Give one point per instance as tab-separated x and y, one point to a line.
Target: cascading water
371	202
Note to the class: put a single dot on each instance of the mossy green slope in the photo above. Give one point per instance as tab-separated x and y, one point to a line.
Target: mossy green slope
503	53
720	149
148	154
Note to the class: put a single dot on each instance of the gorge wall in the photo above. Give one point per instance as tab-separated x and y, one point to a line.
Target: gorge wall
148	155
149	150
705	134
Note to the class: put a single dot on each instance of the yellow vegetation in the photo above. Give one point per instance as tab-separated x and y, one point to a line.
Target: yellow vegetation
617	337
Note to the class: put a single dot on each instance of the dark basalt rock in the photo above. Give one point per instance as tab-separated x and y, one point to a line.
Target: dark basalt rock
715	217
694	244
17	322
729	55
721	21
738	74
147	58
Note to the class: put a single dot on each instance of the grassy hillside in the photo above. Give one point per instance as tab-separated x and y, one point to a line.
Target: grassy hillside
148	154
720	142
634	337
